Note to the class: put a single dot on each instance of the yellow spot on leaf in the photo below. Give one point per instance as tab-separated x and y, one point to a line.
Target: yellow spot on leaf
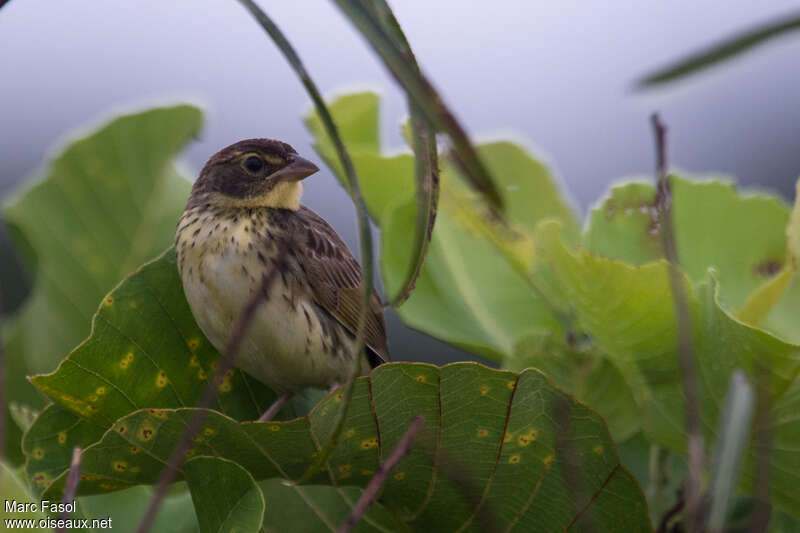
189	453
344	471
350	432
511	384
127	359
135	469
100	391
201	374
507	437
133	304
482	432
421	378
367	472
146	432
527	438
93	398
161	379
38	453
208	431
547	460
193	344
108	301
274	427
120	466
40	478
62	437
484	390
161	414
369	443
225	386
90	477
399	476
598	449
194	361
514	459
338	398
134	450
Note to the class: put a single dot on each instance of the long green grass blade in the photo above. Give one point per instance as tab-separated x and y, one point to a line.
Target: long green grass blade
722	51
372	18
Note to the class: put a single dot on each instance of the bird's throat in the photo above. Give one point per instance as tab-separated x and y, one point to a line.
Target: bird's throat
285	195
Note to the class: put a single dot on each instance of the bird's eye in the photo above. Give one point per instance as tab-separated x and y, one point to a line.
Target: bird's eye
253	164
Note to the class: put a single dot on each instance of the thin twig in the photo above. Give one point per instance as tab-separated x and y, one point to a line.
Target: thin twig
365	236
71	485
672	512
377	481
178	455
3	2
663	205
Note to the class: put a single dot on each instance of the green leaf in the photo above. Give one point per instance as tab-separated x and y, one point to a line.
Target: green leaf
127	507
743	239
723	51
467	294
105	203
145	349
640	340
225	495
13	488
312	508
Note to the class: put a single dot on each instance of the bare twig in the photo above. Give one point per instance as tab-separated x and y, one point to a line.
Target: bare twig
672	512
178	455
3	2
71	485
663	205
377	481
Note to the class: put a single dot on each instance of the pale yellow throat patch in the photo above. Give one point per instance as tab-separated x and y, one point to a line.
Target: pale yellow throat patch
285	195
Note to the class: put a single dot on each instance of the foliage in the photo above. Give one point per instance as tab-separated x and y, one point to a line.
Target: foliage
600	318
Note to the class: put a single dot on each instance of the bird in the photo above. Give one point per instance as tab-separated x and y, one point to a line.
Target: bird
244	220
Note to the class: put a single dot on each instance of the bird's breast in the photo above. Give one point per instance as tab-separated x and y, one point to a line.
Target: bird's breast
222	259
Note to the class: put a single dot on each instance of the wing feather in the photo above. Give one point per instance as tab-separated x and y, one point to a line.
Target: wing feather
335	278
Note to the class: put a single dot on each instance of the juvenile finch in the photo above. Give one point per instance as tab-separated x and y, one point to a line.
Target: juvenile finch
242	220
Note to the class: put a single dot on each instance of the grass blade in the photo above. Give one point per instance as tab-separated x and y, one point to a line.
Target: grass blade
355	193
375	21
722	51
731	443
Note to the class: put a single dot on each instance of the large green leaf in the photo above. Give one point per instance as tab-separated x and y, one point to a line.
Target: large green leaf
105	204
145	349
225	495
627	312
473	290
742	236
496	445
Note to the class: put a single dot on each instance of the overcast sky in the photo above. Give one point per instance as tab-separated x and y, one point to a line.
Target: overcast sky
556	75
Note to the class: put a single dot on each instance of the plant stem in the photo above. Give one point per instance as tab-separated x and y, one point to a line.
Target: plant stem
663	205
368	496
71	485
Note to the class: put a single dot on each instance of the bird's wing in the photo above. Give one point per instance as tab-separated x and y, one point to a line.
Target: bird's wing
335	278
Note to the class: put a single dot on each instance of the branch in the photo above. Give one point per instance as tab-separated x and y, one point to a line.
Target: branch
377	481
178	455
71	485
663	205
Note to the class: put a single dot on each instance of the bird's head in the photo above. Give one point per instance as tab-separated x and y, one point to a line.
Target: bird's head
254	173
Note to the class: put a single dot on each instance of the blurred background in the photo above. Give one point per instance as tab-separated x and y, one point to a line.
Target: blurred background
557	77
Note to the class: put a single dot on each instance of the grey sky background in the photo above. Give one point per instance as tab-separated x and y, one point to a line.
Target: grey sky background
557	76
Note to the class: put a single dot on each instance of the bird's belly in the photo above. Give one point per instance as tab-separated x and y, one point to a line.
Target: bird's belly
290	343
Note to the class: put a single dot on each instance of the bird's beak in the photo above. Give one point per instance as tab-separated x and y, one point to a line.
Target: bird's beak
297	169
